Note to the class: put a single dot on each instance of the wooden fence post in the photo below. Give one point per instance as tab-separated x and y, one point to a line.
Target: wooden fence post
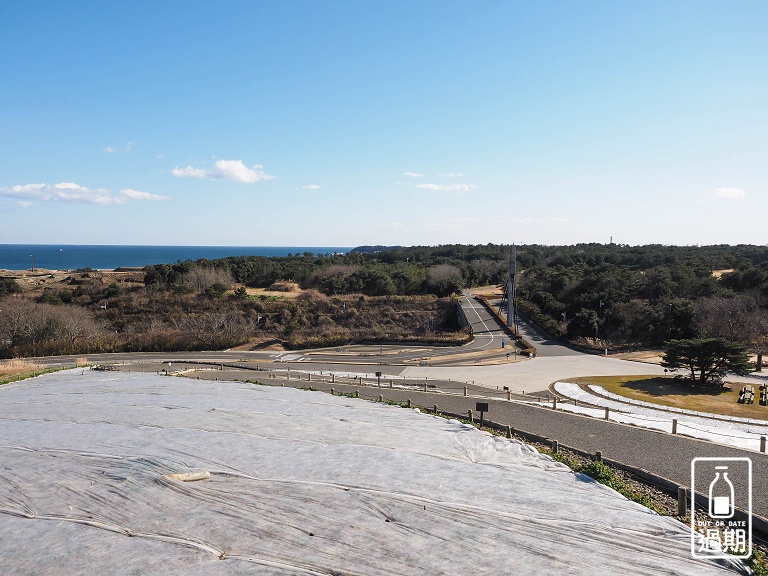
682	501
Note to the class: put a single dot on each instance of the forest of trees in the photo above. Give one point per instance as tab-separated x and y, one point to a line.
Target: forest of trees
643	296
593	295
441	270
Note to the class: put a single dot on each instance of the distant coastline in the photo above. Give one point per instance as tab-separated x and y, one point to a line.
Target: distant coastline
105	257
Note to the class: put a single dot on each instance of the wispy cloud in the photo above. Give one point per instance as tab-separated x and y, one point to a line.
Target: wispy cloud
131	194
72	193
413	174
729	193
451	175
311	187
447	187
225	170
118	149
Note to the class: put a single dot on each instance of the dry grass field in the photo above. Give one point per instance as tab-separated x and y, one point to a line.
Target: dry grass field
34	283
18	369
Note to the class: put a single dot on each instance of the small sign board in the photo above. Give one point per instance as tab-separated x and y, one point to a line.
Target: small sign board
378	374
481	406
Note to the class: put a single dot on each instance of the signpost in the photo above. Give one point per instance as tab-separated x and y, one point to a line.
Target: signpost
481	407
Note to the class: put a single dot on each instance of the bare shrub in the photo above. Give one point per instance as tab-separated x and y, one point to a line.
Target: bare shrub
312	297
82	361
739	319
444	279
340	269
200	279
216	329
285	286
32	329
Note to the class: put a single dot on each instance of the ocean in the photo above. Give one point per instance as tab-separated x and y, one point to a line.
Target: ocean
101	257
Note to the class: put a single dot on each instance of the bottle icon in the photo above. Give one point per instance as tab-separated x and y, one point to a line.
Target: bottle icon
721	494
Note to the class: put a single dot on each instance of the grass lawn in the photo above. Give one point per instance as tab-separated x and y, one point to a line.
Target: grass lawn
671	392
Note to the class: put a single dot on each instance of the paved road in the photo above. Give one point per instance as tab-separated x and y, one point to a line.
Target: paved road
544	345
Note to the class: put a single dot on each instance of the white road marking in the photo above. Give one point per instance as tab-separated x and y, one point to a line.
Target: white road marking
290	358
472	306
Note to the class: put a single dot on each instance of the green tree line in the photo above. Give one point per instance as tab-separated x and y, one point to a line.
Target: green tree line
589	294
646	295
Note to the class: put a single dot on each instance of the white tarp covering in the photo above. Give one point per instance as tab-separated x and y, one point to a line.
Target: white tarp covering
300	483
740	432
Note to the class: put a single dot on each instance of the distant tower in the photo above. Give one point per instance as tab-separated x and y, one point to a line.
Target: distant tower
508	296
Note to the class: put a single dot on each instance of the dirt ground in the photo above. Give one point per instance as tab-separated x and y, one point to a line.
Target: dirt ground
34	283
719	273
270	293
649	356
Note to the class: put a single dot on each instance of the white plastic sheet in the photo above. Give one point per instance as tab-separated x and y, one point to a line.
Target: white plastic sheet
300	483
740	432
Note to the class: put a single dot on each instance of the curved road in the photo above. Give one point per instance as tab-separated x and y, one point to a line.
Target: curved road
663	454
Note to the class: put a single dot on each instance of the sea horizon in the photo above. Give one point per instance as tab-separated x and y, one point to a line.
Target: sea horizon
19	257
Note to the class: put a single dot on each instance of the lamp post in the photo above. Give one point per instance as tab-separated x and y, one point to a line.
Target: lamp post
33	261
599	317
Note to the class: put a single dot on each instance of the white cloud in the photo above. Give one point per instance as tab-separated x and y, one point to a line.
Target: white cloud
239	172
413	174
311	187
115	149
225	170
190	172
136	195
447	187
729	193
452	175
72	193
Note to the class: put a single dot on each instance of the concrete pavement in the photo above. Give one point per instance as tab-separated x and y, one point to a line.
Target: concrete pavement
535	373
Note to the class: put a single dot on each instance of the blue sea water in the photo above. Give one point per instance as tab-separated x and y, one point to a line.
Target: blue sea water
98	257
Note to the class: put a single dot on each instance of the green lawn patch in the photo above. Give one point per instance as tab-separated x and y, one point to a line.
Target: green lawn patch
679	393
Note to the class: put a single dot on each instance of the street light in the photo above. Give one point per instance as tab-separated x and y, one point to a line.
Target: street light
33	261
599	317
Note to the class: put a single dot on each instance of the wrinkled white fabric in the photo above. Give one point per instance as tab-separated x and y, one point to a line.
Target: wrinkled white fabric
301	483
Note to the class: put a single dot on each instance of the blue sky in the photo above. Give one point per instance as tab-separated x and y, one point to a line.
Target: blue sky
340	123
